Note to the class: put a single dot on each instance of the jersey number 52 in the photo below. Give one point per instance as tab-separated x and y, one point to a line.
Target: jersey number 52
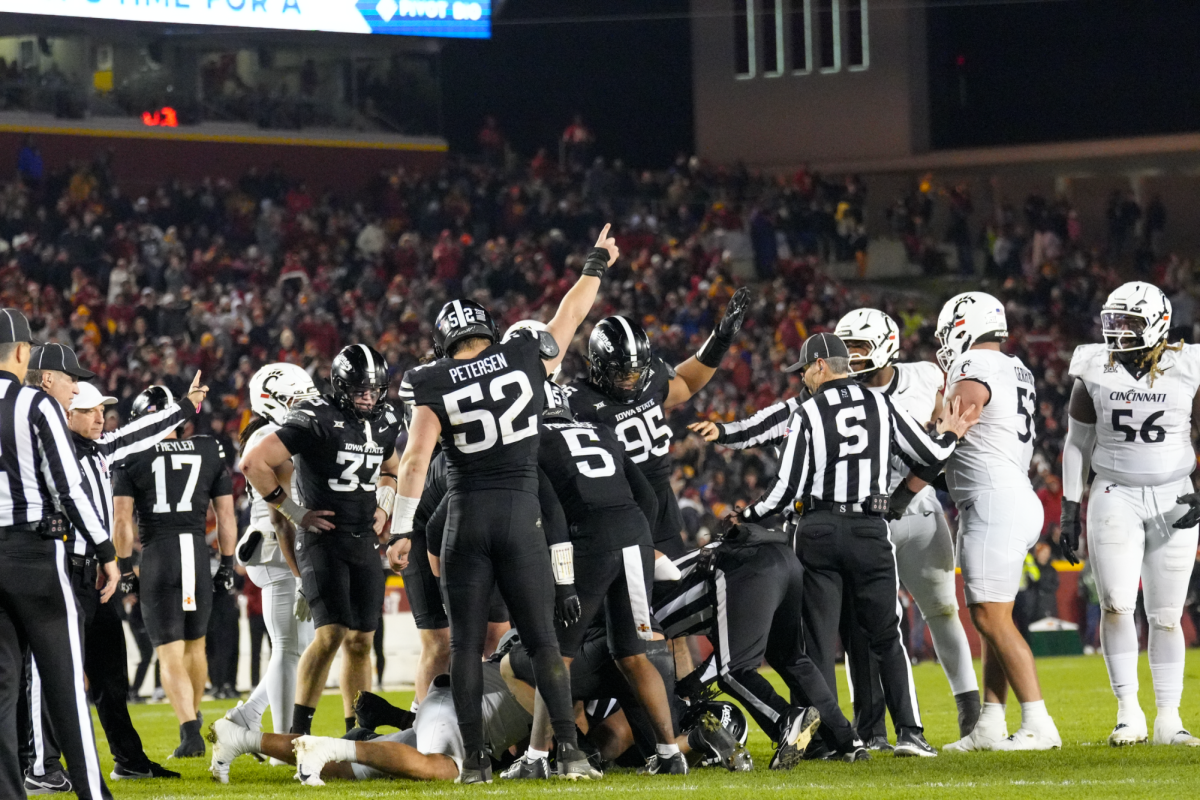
506	422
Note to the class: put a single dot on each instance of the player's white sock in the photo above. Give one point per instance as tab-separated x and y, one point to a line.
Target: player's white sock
992	716
1033	714
666	750
1118	640
532	754
954	651
1128	708
242	739
344	750
414	705
1167	651
257	703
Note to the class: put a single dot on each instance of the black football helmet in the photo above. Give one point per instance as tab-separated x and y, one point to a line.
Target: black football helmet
356	368
557	406
458	320
155	398
619	358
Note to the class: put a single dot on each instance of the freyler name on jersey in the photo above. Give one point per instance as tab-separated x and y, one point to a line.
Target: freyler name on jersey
475	369
635	411
186	446
1132	396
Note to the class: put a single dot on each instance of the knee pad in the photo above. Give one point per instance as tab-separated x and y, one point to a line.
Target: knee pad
942	610
1164	619
1110	606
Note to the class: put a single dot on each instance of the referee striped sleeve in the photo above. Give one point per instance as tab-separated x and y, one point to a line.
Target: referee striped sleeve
910	436
768	426
144	432
60	469
794	468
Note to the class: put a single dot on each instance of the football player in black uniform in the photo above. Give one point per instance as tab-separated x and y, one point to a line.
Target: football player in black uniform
607	502
483	400
171	486
629	390
344	450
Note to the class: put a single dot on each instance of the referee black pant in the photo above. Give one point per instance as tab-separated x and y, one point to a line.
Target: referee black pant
852	554
759	591
38	611
106	664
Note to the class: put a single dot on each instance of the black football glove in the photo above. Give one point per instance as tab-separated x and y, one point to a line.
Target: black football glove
1192	517
718	344
223	579
566	604
129	584
899	501
1072	529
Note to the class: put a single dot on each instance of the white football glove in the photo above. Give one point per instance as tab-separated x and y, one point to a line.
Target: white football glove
302	611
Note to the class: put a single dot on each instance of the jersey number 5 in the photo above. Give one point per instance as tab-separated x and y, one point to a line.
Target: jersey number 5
473	393
162	503
575	441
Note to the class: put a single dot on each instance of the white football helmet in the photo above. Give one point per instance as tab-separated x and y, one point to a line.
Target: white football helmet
275	387
1136	316
531	325
876	330
964	320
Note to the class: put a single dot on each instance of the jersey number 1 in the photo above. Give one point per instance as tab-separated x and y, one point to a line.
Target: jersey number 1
162	503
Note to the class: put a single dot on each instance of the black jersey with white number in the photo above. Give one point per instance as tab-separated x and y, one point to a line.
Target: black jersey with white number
587	466
490	407
641	425
172	483
337	458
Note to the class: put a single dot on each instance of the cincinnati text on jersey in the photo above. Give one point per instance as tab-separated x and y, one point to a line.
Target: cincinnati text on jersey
1132	396
474	369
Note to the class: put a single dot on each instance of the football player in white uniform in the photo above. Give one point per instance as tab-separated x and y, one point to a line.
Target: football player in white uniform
924	547
266	549
1000	517
1131	413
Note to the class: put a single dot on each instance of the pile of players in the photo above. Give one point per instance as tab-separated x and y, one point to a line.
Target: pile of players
555	502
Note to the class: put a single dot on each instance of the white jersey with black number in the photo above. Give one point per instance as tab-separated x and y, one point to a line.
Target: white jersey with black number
260	512
995	454
1143	431
915	388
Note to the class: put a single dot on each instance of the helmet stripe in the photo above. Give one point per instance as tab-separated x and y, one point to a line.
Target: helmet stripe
370	363
632	343
458	309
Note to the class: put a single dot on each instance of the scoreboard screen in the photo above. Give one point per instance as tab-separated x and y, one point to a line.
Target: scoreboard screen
468	19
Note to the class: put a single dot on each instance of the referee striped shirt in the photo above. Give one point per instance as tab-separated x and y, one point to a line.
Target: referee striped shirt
97	457
39	471
839	446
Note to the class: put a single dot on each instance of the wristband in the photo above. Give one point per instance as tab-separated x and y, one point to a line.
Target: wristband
562	563
227	561
714	350
274	497
403	511
396	537
384	497
125	565
292	510
597	262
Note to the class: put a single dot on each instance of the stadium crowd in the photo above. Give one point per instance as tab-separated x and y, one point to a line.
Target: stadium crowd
231	273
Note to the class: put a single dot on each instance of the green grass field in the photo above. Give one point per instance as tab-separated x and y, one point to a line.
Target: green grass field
1077	694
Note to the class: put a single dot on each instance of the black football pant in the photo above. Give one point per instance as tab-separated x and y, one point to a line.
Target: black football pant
105	662
862	675
851	554
494	537
759	595
223	641
38	611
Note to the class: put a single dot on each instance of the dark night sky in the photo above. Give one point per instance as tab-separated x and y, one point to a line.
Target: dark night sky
1033	71
631	79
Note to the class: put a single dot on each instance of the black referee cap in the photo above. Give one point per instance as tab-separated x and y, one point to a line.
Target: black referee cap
819	345
14	327
60	358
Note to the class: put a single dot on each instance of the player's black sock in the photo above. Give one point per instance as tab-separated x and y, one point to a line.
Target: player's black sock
302	717
350	724
554	682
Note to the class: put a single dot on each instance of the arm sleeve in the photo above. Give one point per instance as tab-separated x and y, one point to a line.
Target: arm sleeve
793	473
643	492
554	521
768	426
144	432
915	444
60	469
1077	457
435	529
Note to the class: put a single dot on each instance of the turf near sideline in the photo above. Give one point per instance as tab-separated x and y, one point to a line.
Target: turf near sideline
1077	694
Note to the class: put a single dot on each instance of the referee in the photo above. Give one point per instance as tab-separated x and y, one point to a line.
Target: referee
39	474
834	470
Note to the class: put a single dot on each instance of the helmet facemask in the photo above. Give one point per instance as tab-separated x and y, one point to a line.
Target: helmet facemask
620	380
1124	331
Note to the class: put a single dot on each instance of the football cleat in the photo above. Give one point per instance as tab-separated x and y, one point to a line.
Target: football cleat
312	754
911	742
55	782
674	764
983	737
228	741
121	773
879	744
477	769
573	764
714	740
524	769
857	753
1172	733
1043	738
1126	734
797	730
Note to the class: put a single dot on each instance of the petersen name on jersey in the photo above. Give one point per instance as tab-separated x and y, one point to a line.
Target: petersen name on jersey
1143	431
995	454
